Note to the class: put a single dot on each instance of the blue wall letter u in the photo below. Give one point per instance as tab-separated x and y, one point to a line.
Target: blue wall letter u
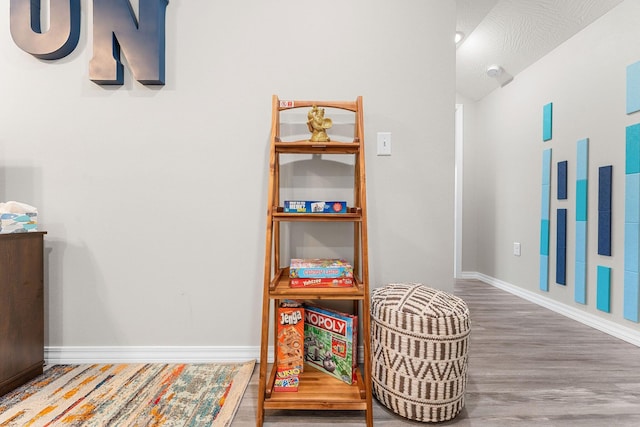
116	30
64	30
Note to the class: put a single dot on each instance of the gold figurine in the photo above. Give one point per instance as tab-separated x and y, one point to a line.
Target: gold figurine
318	124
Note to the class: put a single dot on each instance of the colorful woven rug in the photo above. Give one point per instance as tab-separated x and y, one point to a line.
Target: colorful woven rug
129	395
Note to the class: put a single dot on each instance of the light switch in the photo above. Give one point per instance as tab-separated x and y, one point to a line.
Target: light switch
384	143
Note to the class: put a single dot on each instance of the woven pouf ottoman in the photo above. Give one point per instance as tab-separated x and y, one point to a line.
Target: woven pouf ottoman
420	341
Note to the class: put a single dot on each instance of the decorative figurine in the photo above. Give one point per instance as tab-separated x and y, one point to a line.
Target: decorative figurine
318	124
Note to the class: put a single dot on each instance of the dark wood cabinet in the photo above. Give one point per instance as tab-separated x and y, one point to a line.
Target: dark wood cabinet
21	308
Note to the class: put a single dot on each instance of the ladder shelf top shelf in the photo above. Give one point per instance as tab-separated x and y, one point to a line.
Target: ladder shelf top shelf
302	147
291	104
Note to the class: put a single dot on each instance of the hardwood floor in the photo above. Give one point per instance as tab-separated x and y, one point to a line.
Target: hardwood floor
528	366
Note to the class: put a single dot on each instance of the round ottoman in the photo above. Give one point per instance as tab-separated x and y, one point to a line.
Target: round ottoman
420	340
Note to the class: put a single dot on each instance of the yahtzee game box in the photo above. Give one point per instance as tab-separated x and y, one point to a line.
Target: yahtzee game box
322	282
290	345
330	342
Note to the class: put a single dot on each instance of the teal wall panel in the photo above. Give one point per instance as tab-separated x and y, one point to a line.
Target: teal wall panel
603	296
547	121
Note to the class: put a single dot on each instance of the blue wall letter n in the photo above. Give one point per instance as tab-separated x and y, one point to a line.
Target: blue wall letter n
116	30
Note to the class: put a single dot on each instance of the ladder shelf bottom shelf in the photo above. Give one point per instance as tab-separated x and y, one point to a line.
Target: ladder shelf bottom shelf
317	390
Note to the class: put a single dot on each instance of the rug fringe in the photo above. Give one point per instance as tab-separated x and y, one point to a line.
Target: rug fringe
234	394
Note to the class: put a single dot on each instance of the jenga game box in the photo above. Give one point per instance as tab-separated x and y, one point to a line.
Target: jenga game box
290	346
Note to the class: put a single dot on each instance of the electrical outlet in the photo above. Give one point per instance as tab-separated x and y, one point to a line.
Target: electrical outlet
516	248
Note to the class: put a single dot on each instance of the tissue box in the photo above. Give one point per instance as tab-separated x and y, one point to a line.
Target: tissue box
16	217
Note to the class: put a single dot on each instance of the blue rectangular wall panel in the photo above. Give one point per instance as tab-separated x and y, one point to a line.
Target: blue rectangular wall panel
604	233
545	203
582	159
631	306
633	88
561	228
562	180
631	296
632	164
544	237
632	198
544	219
544	273
580	291
581	241
561	267
561	247
546	167
547	121
604	187
631	253
603	289
604	210
582	192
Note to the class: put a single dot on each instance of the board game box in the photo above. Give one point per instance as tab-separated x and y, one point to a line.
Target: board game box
330	342
322	282
315	206
313	268
290	348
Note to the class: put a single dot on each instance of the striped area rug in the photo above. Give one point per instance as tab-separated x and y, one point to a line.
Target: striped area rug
129	395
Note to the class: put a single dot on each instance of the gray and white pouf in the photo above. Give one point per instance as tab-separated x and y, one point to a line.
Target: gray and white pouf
420	342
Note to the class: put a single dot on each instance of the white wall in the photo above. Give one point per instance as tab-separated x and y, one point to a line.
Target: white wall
154	198
585	78
468	230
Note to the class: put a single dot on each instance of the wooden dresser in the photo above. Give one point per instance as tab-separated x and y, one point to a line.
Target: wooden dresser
21	308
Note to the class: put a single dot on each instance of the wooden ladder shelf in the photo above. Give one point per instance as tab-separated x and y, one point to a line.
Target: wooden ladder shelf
317	390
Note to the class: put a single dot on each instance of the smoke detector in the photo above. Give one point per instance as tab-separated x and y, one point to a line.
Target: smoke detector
494	71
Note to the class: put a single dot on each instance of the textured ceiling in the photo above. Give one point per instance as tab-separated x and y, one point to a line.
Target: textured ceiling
514	34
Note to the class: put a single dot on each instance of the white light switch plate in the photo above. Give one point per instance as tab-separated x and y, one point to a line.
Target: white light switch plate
384	143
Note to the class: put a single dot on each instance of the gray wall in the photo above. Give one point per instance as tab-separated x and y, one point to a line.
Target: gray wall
585	78
154	199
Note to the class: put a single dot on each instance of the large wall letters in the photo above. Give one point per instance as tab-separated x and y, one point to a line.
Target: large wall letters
116	31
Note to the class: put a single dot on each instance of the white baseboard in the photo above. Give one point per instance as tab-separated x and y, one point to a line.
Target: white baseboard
149	354
76	355
617	330
216	354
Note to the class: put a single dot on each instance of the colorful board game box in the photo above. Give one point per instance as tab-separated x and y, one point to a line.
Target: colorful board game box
286	383
330	342
322	282
290	348
312	268
315	206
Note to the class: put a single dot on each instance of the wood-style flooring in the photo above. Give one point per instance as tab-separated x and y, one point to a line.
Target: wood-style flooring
528	366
